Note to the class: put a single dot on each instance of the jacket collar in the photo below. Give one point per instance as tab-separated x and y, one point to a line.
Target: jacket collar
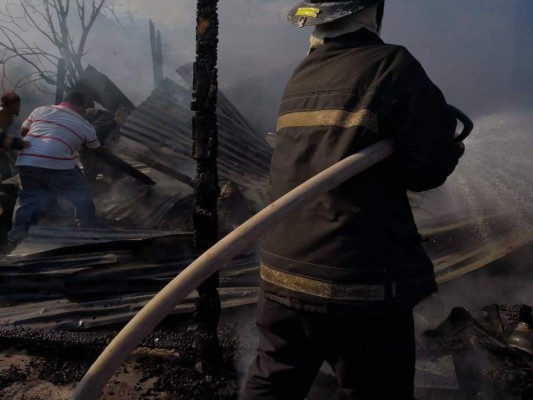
358	38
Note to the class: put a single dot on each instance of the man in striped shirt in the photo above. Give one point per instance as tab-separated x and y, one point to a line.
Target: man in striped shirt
48	166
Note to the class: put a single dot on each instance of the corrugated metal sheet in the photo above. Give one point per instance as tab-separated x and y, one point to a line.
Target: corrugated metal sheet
102	275
87	278
43	240
127	201
162	124
111	276
66	315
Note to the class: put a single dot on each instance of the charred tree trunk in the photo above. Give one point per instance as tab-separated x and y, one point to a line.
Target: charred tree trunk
157	54
205	149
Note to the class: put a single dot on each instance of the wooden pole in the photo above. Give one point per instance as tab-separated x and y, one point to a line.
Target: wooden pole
157	57
205	152
159	65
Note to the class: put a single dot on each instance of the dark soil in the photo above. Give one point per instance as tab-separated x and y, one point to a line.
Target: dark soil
167	366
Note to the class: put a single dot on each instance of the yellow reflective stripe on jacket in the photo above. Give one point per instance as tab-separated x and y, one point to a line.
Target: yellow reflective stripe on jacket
344	119
322	289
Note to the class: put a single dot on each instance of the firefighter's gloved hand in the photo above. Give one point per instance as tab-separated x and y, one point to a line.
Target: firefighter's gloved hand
459	147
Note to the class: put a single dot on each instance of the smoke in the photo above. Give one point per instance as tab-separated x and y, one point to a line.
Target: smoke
506	281
470	50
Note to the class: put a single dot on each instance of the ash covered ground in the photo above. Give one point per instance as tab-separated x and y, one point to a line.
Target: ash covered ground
36	364
44	365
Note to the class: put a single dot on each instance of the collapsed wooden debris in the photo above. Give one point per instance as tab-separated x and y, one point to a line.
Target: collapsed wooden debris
70	278
102	90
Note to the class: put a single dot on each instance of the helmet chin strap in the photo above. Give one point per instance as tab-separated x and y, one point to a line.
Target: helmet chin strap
379	16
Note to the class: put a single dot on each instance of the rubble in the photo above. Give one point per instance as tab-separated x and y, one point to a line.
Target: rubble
159	134
488	365
101	277
163	368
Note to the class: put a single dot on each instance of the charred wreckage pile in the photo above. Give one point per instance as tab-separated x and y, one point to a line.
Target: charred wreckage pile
65	290
66	278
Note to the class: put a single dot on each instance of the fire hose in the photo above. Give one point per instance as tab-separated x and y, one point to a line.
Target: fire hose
223	251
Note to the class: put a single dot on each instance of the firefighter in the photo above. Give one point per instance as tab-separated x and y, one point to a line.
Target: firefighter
340	277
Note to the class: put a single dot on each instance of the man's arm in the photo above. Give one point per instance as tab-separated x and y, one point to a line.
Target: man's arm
425	130
91	141
8	142
26	125
103	125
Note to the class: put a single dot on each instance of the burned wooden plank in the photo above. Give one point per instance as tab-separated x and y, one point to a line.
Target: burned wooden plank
121	165
157	54
102	90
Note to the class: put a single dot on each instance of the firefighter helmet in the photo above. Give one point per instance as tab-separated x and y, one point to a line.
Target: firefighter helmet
316	12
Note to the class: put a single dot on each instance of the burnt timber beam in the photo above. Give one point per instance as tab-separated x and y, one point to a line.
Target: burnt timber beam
61	75
157	54
205	152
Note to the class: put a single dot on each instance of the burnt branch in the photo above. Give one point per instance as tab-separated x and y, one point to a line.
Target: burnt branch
48	19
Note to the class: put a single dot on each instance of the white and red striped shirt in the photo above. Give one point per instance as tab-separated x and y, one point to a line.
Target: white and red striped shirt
56	134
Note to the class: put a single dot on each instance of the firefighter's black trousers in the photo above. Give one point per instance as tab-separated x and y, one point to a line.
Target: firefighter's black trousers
371	353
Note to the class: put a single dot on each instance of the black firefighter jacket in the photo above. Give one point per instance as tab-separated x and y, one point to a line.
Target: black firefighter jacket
357	244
